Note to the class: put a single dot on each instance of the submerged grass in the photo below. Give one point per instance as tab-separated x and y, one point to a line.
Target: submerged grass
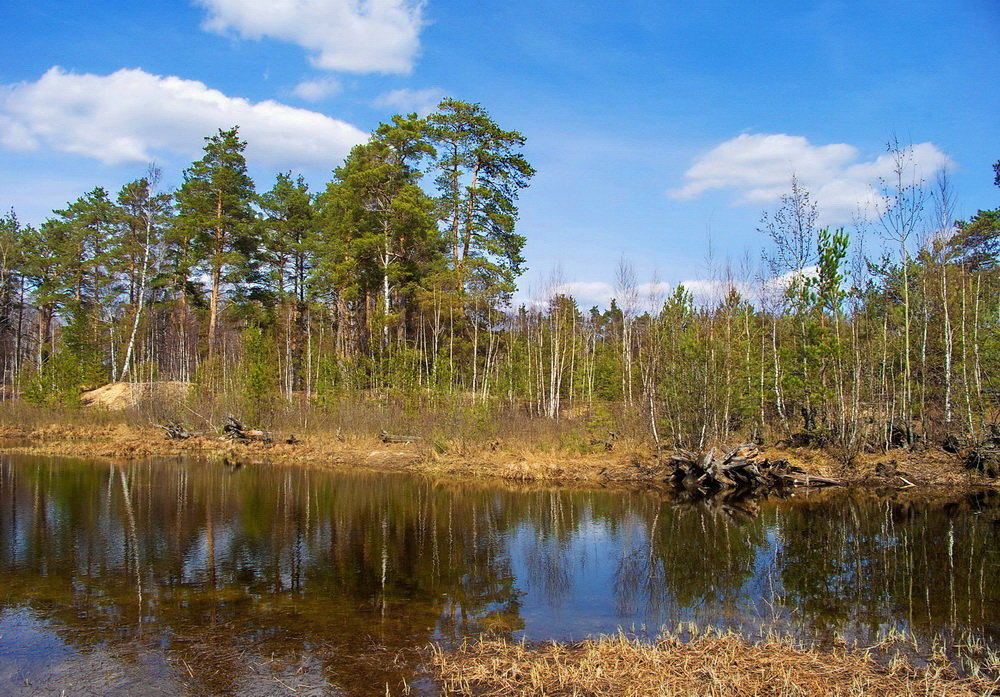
708	664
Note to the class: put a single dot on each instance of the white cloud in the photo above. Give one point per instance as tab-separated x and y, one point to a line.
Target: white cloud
357	36
710	292
586	293
780	283
651	296
405	100
318	89
706	291
131	116
648	296
759	168
653	292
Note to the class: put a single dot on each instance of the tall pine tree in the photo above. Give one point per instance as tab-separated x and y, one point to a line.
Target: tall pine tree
480	171
215	208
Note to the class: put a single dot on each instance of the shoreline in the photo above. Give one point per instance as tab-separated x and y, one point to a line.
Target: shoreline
900	469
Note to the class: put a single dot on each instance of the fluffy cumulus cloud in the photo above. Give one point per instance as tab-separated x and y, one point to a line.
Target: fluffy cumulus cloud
405	100
132	116
758	168
586	293
317	90
358	36
708	291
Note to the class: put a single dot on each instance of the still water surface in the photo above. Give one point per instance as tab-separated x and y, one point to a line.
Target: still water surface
169	578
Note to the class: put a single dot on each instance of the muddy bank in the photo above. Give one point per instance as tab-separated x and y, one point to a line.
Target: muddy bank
899	468
710	664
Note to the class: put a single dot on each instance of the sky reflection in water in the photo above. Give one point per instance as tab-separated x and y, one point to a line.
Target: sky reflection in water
191	577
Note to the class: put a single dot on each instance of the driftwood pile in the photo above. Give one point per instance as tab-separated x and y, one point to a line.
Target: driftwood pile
234	430
390	438
176	430
985	456
739	468
608	444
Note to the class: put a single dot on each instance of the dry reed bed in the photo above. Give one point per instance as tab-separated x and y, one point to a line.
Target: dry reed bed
710	664
523	454
127	442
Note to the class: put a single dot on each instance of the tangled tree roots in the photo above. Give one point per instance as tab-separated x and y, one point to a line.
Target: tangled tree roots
739	468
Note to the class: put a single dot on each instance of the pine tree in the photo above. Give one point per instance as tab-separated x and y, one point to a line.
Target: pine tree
215	209
12	283
377	230
976	243
480	171
289	223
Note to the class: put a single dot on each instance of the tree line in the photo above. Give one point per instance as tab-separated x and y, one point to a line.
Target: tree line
394	282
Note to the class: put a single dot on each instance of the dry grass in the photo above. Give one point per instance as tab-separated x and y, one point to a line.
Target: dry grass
332	449
456	437
125	435
710	664
895	468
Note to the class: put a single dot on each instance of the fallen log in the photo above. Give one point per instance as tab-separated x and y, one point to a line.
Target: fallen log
390	438
806	480
175	430
234	430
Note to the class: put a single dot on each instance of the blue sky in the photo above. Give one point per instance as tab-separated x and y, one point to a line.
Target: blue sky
655	126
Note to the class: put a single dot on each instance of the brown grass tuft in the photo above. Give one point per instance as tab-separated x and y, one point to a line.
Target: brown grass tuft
712	664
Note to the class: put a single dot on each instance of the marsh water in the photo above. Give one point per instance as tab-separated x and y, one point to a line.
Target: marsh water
173	577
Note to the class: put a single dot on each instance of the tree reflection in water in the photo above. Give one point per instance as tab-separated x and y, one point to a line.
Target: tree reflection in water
271	573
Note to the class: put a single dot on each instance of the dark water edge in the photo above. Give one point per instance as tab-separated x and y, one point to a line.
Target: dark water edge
169	577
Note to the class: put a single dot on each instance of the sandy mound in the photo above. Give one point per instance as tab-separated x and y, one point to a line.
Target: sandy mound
123	395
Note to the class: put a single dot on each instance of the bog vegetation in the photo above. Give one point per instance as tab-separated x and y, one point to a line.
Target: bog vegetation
390	289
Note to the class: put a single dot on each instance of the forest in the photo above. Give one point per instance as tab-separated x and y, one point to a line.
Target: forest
390	290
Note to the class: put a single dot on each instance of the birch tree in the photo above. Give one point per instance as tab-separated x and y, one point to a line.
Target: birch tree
144	213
